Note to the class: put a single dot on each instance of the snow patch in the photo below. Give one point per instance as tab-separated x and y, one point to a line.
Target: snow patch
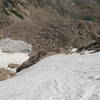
15	58
14	46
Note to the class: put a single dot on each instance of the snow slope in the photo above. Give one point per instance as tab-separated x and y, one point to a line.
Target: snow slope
59	77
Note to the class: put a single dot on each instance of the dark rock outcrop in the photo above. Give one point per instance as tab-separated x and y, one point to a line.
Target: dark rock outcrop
32	60
40	55
95	46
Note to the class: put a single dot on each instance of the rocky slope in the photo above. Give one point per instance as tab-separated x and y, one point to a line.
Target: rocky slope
50	24
75	8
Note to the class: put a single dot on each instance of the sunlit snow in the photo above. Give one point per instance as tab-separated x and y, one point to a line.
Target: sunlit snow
59	77
15	58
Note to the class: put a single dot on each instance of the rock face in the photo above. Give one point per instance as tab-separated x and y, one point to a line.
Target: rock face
14	46
74	8
6	74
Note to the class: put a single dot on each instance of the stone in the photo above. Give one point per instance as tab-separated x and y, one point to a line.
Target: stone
6	74
13	65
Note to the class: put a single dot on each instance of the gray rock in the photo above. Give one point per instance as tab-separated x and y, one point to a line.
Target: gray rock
74	8
14	46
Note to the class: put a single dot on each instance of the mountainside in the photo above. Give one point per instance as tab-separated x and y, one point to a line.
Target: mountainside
66	30
50	24
75	8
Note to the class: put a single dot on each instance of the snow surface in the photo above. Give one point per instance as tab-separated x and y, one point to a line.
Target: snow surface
14	46
15	58
59	77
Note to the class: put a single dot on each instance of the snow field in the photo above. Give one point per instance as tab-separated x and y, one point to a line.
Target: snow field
59	77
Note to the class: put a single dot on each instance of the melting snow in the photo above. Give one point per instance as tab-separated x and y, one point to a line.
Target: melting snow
59	77
13	51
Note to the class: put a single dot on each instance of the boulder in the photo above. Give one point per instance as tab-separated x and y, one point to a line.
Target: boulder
13	65
6	74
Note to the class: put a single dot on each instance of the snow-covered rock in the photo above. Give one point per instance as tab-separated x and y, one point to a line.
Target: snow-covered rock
59	77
